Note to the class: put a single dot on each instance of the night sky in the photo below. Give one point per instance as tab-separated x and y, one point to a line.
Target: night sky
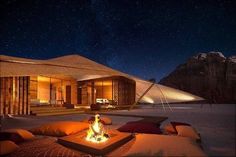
144	38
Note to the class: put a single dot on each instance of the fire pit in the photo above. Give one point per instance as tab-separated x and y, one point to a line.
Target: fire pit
96	141
96	132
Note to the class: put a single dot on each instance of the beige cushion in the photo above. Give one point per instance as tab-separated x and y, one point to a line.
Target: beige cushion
7	147
168	128
187	131
163	145
61	128
24	134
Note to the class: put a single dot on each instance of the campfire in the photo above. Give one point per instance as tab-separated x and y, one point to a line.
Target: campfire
96	132
96	140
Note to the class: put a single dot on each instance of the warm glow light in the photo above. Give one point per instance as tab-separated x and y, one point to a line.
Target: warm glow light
148	100
24	62
103	83
101	100
110	106
48	79
43	79
43	101
88	77
96	132
82	107
179	96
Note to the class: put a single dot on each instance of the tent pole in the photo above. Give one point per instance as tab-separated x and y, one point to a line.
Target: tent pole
162	104
132	106
164	97
50	90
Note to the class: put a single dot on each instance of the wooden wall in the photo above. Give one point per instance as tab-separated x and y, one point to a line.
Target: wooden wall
126	91
14	95
73	94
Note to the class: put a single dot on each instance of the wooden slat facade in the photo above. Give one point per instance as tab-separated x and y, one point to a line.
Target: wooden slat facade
126	91
14	95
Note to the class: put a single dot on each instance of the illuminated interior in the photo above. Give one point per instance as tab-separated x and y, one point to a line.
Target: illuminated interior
103	91
108	91
46	90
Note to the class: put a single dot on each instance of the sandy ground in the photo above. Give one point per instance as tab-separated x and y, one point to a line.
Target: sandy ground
215	123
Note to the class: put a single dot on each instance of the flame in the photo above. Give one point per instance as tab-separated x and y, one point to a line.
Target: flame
96	132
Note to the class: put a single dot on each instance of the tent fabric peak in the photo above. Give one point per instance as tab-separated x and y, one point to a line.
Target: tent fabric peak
81	68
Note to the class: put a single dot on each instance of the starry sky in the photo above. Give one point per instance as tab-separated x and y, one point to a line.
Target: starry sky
145	38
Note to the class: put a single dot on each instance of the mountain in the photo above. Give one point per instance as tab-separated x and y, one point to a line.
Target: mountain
209	75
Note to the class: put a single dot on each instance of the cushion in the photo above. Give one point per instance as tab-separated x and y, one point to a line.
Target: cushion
149	120
104	120
187	131
61	128
7	147
169	129
163	145
174	124
16	135
140	127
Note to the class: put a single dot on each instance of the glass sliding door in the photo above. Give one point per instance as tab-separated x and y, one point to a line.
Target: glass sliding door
112	90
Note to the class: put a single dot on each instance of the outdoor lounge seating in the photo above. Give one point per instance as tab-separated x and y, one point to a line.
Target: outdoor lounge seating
140	127
61	128
16	135
148	141
163	145
7	147
181	129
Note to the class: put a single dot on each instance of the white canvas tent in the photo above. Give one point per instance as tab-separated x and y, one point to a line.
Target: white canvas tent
81	68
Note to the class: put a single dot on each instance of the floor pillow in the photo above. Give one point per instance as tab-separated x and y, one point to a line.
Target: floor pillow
163	145
60	128
169	129
140	127
174	124
16	135
7	147
187	131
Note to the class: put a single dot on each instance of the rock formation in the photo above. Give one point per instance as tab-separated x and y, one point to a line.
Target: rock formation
209	75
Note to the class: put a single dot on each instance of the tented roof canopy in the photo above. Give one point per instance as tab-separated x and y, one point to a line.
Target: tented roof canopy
81	68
